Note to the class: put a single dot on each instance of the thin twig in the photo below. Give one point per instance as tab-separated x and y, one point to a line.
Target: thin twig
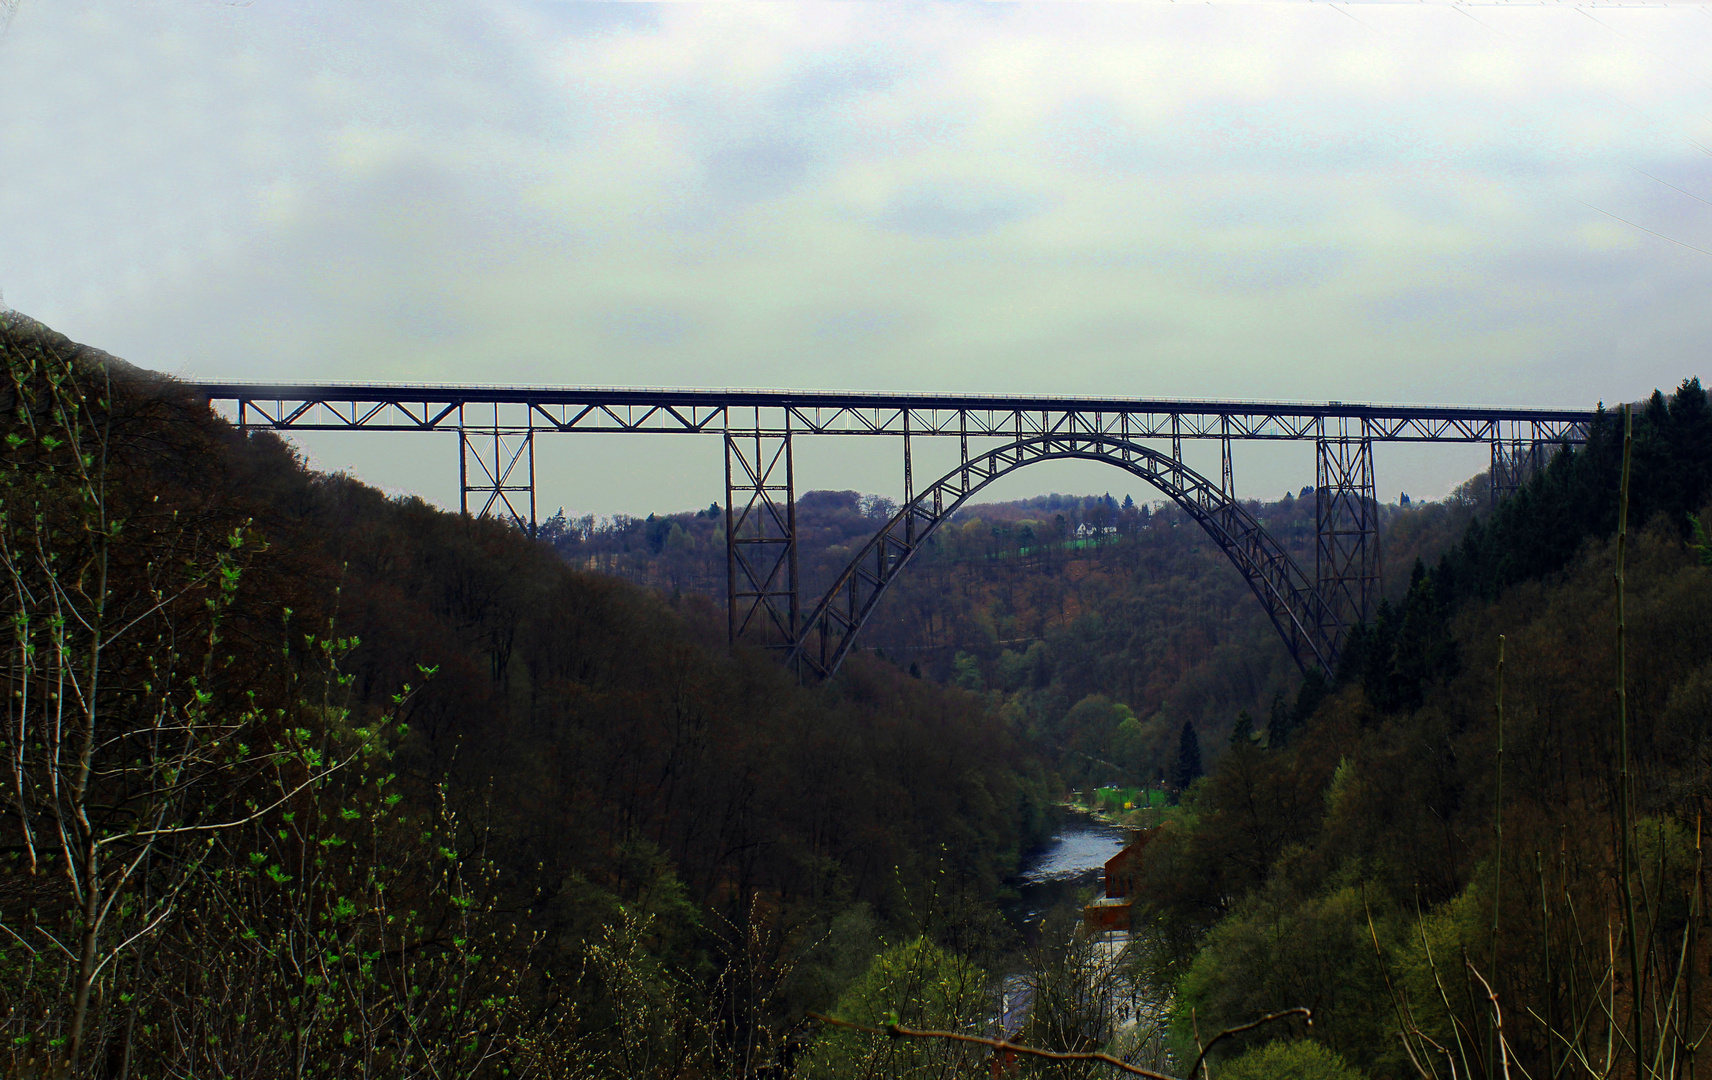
1625	783
1498	1022
1267	1019
146	834
1405	1021
898	1031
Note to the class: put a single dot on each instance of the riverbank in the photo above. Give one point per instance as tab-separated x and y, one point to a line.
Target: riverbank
1141	817
1064	871
1102	816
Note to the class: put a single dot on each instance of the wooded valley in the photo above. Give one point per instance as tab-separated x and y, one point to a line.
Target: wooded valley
305	780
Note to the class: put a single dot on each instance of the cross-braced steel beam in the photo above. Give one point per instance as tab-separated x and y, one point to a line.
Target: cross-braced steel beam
496	473
1346	526
761	537
1519	449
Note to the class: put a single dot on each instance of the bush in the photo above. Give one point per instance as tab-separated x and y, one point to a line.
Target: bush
919	985
1300	1059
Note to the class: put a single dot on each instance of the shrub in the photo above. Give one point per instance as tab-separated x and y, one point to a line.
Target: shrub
1298	1059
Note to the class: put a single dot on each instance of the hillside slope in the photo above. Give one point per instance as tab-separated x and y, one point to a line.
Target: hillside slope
1044	605
541	806
1471	802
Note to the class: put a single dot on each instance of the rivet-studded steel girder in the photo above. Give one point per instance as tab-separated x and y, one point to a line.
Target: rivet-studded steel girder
761	537
1346	527
1282	587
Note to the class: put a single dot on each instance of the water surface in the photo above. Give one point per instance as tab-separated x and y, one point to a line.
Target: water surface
1056	874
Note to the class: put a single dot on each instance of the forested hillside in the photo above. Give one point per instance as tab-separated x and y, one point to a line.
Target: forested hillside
301	779
1475	850
1480	853
304	779
1100	626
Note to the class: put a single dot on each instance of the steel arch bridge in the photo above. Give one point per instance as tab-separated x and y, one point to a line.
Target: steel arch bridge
497	427
1283	589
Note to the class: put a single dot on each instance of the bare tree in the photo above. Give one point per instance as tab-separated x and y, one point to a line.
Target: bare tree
124	766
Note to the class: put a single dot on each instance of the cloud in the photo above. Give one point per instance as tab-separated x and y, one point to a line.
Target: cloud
950	211
1256	200
758	170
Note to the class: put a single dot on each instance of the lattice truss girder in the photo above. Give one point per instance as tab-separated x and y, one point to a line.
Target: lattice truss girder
434	414
1212	421
401	408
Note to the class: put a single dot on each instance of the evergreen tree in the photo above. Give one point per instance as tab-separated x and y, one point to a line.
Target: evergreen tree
1314	690
1278	725
1691	444
1701	544
1188	756
1243	733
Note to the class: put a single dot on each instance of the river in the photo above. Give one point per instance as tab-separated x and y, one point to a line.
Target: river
1058	872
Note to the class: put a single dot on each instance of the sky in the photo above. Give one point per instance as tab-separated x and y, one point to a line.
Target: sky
1417	203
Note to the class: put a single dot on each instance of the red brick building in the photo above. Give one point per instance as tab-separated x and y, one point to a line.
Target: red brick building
1123	872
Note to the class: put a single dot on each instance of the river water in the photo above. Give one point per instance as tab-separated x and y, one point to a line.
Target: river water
1059	872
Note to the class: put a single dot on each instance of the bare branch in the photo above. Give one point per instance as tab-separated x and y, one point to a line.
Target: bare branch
898	1031
146	834
1498	1021
1308	1014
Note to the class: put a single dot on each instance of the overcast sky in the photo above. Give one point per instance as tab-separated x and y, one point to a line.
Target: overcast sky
1411	203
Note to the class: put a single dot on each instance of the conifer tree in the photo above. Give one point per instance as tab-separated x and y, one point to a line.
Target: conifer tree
1313	691
1278	725
1188	756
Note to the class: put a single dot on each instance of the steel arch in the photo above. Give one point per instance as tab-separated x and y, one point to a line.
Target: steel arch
1308	626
